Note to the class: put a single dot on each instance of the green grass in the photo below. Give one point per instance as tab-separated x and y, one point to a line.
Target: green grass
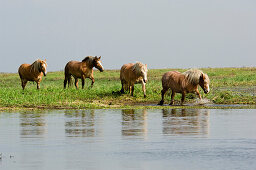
228	86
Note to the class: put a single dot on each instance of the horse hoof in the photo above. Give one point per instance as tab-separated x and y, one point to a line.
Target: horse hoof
145	96
161	103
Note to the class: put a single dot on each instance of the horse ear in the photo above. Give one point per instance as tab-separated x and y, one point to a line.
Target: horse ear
202	77
99	57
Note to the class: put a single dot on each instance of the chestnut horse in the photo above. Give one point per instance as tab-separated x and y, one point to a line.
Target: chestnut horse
131	74
183	83
32	72
82	70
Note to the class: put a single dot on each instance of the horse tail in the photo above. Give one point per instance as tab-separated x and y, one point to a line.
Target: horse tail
66	70
20	74
19	71
67	76
121	73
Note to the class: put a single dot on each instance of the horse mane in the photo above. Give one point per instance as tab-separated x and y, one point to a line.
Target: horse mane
138	66
36	65
88	59
193	76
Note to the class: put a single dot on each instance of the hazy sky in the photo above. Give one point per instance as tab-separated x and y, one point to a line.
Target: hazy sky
160	33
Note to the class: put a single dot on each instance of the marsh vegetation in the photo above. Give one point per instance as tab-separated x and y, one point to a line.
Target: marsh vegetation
228	86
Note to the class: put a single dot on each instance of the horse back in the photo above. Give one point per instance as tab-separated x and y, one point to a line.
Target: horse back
126	73
173	80
77	69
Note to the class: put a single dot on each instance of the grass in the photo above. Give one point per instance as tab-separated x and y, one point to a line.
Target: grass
228	86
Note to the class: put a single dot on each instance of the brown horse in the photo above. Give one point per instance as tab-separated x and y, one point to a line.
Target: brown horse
32	72
82	70
183	83
131	74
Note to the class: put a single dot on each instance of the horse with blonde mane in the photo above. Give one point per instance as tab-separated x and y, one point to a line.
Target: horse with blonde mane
183	83
131	74
32	72
82	70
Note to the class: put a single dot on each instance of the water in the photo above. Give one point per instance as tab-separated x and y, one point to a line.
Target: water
129	139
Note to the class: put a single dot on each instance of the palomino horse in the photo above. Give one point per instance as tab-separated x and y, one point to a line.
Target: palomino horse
183	83
82	70
32	72
131	74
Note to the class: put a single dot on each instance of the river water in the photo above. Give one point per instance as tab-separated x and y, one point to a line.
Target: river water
175	139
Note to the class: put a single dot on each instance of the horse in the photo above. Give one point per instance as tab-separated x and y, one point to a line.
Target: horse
131	74
82	70
32	72
183	83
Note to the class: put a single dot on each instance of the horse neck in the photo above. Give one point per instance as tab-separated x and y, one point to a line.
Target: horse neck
136	76
33	70
188	85
87	64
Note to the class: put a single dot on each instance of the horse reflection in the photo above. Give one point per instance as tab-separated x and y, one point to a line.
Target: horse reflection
32	124
80	124
134	122
185	122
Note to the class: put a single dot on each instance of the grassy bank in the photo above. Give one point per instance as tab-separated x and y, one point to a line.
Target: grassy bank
228	86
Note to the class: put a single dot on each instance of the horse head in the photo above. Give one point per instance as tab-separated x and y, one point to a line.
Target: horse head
97	63
42	67
144	72
204	82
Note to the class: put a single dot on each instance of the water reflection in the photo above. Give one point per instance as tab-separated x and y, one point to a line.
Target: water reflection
134	122
186	122
81	123
32	124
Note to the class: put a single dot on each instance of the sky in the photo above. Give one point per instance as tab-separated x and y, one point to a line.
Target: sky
160	33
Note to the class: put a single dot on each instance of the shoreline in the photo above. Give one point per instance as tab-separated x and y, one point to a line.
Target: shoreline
140	106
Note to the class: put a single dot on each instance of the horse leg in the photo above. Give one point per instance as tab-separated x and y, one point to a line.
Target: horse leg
129	88
65	83
172	97
38	85
183	97
122	89
144	89
23	83
126	87
199	95
163	93
67	79
132	89
82	83
76	83
92	81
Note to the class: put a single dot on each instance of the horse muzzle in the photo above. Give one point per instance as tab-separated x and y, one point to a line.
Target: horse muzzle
145	81
206	91
100	68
